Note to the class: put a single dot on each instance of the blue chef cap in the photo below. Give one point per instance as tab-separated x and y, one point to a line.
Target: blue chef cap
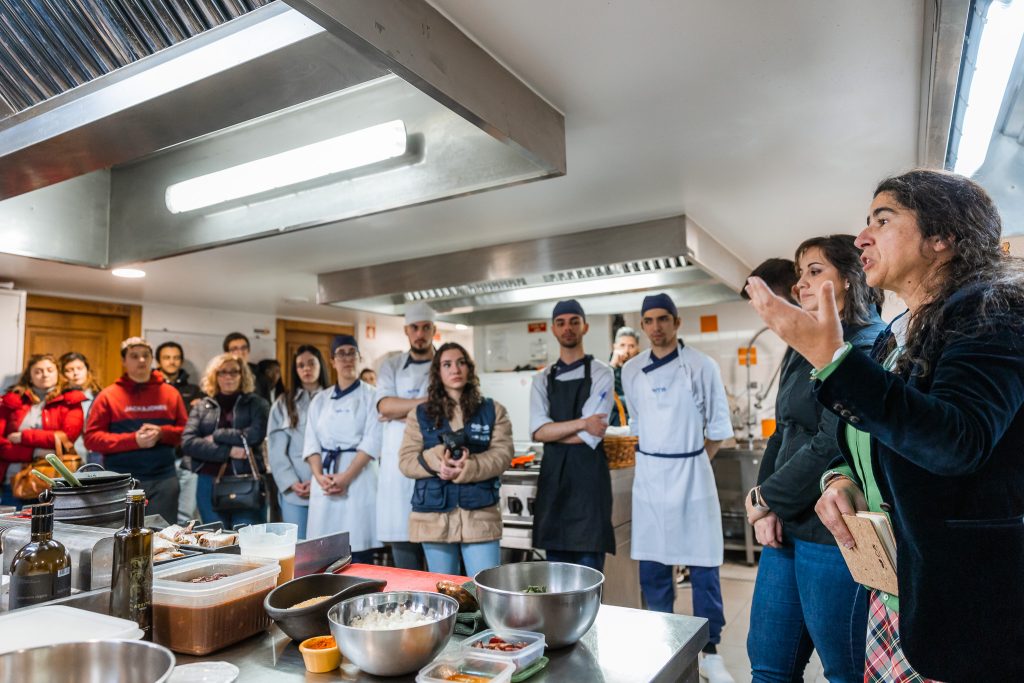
568	306
659	301
343	340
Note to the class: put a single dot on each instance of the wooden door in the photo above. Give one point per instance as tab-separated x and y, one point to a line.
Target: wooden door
291	334
93	328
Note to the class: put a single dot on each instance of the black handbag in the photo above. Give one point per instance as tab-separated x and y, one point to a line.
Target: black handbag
239	491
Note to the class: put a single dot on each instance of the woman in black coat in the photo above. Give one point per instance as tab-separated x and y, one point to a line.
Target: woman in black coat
223	436
934	435
804	598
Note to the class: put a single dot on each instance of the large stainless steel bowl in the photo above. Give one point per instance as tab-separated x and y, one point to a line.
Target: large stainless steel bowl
94	661
563	614
398	651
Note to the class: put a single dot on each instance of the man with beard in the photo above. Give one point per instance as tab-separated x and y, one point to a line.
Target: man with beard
679	409
625	346
569	406
401	386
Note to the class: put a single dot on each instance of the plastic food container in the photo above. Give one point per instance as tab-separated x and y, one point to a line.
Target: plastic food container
523	658
199	618
467	669
50	625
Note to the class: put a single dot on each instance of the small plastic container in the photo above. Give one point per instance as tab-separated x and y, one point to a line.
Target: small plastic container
533	651
469	669
200	618
320	660
53	624
276	541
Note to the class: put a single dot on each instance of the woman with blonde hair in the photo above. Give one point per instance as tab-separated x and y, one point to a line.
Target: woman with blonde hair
32	412
223	435
455	502
76	371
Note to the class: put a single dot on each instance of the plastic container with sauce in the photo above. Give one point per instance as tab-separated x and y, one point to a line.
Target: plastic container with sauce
467	669
522	659
199	618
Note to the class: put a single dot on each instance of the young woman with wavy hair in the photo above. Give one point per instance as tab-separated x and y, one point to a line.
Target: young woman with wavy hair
455	513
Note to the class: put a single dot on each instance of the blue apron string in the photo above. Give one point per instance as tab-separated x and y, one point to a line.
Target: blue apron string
331	456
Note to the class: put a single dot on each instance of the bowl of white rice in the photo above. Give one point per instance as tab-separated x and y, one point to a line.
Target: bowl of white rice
395	633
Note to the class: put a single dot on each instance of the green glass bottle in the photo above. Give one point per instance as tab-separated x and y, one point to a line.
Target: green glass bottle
41	570
131	586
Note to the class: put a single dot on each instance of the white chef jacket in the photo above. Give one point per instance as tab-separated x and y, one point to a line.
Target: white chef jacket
600	400
348	421
399	376
677	518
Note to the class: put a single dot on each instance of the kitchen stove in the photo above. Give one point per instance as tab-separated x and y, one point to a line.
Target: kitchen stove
518	492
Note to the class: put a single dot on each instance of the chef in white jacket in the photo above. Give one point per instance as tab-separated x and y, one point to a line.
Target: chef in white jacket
402	381
679	410
341	445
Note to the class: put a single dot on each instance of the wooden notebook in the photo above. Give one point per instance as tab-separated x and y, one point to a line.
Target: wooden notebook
872	561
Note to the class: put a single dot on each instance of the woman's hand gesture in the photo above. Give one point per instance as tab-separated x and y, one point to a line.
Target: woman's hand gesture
815	336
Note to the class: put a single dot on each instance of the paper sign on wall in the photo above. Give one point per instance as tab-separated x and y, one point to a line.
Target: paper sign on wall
748	356
536	327
708	323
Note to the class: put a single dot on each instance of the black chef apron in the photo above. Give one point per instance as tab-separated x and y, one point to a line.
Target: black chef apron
573	508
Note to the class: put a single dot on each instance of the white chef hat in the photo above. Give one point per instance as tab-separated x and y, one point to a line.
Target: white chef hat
418	312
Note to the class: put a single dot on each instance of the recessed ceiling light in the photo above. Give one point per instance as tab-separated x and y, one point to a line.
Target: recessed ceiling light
128	272
460	326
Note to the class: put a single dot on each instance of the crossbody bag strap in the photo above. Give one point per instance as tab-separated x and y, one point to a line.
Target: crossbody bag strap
252	460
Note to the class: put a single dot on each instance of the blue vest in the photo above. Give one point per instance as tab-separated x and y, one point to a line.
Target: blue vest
434	494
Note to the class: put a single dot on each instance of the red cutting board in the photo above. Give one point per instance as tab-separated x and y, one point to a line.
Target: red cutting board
402	579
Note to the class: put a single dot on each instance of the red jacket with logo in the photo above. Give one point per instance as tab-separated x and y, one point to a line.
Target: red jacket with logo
62	413
118	412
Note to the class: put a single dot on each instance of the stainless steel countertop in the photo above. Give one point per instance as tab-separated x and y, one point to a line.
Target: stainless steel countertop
624	646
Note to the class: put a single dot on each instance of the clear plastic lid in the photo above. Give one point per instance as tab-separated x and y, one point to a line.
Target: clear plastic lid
174	583
522	657
467	669
52	624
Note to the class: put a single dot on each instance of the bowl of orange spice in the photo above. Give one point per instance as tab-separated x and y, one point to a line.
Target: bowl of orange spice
320	654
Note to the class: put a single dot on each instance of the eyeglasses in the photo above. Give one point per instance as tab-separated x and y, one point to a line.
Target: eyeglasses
229	373
346	354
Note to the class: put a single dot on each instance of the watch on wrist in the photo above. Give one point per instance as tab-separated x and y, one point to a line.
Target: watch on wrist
829	477
756	501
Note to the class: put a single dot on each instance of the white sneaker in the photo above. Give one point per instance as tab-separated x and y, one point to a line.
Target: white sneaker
712	669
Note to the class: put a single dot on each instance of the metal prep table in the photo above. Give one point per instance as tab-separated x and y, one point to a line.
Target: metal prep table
624	646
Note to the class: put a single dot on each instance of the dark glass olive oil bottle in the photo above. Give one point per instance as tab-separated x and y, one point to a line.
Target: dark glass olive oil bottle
131	586
41	570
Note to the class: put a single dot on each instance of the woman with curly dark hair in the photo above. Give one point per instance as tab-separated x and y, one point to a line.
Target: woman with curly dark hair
457	443
932	428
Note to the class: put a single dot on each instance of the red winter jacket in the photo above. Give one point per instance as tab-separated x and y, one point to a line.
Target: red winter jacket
62	413
120	409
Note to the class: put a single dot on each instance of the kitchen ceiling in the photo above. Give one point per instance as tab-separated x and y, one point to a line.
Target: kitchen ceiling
764	122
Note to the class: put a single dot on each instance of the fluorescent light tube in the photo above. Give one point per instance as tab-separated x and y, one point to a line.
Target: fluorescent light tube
342	153
1000	40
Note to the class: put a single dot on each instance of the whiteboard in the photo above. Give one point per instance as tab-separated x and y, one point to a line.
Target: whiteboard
200	347
12	336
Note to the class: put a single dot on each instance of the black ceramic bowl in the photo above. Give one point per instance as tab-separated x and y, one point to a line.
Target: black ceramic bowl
307	622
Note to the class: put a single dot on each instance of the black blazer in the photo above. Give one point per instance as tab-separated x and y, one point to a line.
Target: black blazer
249	417
947	450
804	443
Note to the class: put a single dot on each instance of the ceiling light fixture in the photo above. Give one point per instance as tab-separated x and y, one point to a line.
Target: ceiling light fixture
327	157
997	50
132	273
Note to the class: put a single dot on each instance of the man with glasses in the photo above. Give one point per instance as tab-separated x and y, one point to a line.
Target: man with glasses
135	423
401	386
237	344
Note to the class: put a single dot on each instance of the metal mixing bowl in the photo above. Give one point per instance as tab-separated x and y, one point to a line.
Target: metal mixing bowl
563	614
94	661
398	651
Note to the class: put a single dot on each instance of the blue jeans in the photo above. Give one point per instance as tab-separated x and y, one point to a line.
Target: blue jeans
294	514
592	560
204	501
804	600
443	558
659	588
407	555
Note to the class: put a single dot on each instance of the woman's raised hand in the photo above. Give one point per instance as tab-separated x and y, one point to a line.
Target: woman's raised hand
815	336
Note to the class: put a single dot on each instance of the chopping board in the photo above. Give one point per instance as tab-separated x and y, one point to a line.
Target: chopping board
402	579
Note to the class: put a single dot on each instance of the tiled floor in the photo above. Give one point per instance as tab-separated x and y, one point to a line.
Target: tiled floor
737	591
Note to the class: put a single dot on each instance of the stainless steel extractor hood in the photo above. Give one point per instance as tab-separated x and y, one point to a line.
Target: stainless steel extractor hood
279	77
606	269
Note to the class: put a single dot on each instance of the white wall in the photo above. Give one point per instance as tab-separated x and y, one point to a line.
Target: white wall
507	346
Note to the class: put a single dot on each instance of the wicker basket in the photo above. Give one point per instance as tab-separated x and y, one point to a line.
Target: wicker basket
620	450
